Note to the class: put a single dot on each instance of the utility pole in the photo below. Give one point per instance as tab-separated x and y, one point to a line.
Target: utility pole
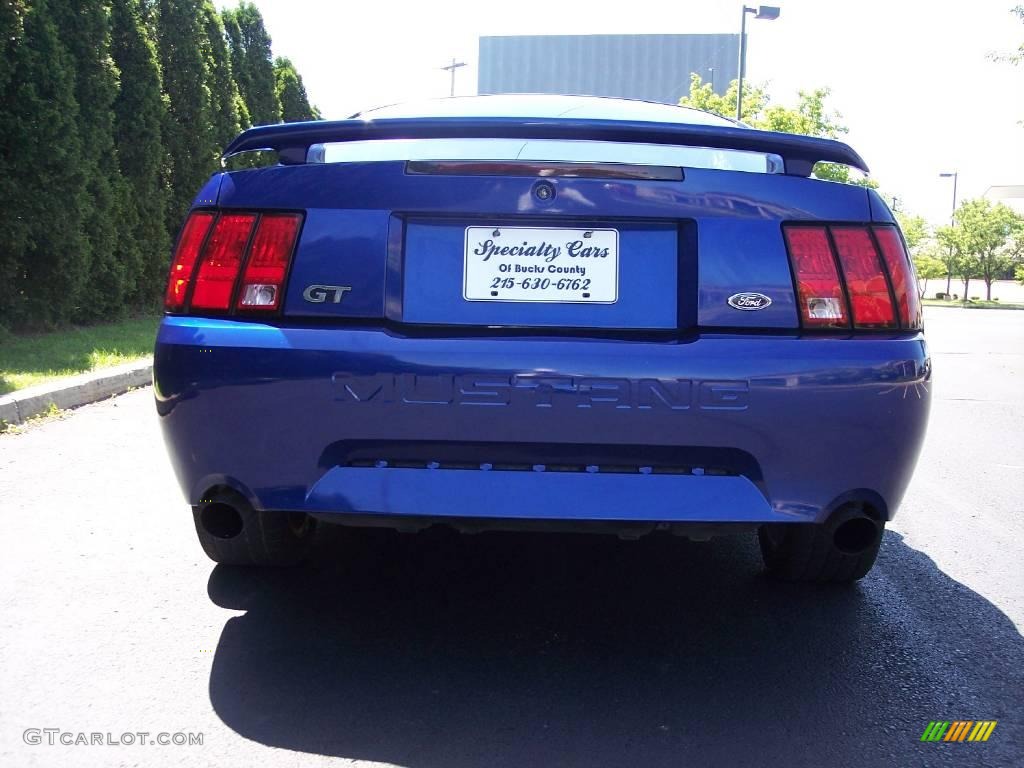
952	223
451	68
766	12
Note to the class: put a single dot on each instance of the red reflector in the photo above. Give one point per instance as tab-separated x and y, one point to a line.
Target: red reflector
222	259
189	242
865	278
820	295
904	283
263	282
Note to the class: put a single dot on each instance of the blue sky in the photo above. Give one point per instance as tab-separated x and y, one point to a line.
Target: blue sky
912	79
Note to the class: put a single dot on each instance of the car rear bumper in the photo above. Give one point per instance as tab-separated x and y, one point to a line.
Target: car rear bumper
717	428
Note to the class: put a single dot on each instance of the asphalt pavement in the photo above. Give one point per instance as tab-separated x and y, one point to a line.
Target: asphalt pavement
440	651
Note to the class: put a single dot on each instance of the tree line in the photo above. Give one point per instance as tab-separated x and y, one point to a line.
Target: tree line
985	241
113	114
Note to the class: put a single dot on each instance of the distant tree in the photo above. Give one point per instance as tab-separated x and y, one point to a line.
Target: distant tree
703	97
924	250
44	254
252	63
188	130
987	230
291	93
84	28
139	117
915	231
928	265
229	113
955	257
810	117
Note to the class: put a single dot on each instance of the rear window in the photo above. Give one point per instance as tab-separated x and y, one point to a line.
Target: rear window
546	106
546	150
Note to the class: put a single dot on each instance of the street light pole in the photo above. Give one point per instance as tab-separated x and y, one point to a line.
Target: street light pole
952	223
451	68
766	12
742	61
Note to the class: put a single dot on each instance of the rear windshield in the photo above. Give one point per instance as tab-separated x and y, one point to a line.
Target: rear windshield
547	150
546	106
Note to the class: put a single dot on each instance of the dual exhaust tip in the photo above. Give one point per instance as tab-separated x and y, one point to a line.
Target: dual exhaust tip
853	531
221	520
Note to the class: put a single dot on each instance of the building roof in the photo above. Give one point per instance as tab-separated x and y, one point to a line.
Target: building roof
1011	195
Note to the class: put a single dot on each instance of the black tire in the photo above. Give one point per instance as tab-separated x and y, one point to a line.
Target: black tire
231	532
808	553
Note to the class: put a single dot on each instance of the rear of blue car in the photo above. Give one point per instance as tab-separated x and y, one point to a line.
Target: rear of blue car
405	324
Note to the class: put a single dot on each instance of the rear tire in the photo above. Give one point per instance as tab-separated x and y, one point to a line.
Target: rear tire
231	532
800	552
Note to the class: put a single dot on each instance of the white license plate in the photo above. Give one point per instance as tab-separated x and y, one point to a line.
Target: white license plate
541	264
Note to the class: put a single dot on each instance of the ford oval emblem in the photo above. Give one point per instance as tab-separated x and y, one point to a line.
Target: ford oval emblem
749	301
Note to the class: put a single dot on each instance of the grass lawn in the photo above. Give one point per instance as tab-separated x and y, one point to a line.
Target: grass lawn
27	360
973	304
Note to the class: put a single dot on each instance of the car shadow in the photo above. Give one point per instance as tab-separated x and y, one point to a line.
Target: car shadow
441	651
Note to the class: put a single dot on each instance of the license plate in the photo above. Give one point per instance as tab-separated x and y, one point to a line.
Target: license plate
542	264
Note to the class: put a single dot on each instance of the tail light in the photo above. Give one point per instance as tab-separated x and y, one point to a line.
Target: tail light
904	281
269	256
190	243
852	275
231	261
870	301
819	291
221	261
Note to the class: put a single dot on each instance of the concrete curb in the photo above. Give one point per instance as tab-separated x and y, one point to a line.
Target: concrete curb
74	391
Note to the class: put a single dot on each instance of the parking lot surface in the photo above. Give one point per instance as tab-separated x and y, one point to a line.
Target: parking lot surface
440	651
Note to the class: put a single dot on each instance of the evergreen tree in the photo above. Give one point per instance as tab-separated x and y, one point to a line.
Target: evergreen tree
13	232
188	130
139	115
84	30
291	93
43	268
236	52
11	14
228	110
252	63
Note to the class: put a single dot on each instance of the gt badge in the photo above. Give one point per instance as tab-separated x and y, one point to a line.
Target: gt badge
318	294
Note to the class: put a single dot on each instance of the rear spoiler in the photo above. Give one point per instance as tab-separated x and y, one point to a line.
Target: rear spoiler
292	140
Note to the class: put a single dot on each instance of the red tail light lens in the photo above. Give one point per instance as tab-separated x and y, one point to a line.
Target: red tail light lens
819	292
216	249
865	278
265	271
221	262
190	242
904	283
867	265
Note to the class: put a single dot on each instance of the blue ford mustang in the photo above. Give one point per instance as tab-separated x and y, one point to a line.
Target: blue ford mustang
541	312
